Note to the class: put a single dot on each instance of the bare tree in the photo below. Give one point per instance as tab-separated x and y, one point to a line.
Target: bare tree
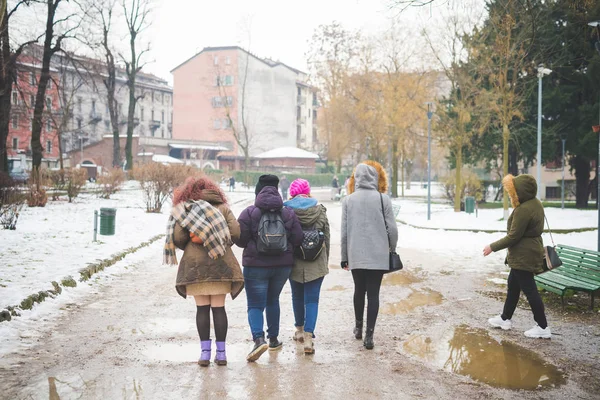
52	45
137	13
8	73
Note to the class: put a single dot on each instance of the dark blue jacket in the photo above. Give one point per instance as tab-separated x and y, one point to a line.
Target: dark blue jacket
267	199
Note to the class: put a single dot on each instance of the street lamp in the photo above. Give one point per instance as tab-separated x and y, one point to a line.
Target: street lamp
562	189
596	24
429	115
541	72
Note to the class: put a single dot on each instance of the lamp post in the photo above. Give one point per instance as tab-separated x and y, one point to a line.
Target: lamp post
596	24
562	189
389	159
429	115
541	72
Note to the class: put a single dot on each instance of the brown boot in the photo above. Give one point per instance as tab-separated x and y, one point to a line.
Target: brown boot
299	335
309	347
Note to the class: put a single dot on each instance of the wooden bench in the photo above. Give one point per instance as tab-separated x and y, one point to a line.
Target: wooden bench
580	272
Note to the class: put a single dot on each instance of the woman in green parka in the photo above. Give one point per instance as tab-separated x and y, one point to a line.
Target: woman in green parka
525	253
307	274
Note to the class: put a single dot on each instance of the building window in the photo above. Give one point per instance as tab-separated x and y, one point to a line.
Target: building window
49	146
32	79
15	143
142	113
94	106
552	192
15	121
309	113
226	123
78	123
314	115
31	100
298	133
228	80
152	115
79	102
49	103
48	125
162	117
15	97
299	91
162	98
217	102
227	60
157	97
315	138
229	101
216	123
216	60
162	132
315	102
49	86
171	117
107	124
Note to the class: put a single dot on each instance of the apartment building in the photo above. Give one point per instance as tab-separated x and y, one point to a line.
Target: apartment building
77	107
222	90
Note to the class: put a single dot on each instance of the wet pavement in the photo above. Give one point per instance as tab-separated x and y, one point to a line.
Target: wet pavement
135	338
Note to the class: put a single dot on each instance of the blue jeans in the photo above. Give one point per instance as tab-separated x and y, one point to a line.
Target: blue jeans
263	286
305	300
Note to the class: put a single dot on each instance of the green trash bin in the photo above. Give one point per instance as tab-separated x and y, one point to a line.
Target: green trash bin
107	221
469	204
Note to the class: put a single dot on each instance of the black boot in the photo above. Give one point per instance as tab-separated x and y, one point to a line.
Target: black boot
260	346
358	330
368	343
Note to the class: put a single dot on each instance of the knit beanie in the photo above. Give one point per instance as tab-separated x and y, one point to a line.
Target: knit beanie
266	180
300	186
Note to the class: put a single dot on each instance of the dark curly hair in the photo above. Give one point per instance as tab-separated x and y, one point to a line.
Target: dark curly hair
193	188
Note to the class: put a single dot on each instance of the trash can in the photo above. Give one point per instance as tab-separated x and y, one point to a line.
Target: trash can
107	221
469	204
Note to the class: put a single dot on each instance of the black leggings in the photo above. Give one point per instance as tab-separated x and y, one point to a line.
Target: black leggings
367	282
203	322
523	281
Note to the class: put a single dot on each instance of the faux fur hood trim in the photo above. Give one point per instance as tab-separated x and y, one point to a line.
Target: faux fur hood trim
508	182
382	179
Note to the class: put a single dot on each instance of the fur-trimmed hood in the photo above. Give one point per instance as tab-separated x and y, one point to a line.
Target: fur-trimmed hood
368	175
520	189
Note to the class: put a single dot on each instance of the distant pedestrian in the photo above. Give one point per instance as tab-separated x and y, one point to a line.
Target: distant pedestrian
335	188
365	241
269	234
284	185
202	225
311	261
231	184
525	254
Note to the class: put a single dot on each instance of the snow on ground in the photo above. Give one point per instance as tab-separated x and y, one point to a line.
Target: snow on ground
414	212
56	241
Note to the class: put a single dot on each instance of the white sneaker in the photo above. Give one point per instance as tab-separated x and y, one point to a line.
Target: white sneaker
498	322
537	332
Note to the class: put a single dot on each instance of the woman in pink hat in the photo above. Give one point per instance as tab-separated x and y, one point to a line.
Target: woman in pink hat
311	261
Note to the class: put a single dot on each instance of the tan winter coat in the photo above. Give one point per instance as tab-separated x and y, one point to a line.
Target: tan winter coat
197	267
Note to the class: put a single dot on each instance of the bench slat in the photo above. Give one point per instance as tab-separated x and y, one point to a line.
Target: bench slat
568	282
575	261
577	274
578	250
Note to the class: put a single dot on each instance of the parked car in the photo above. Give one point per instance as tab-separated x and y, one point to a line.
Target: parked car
19	176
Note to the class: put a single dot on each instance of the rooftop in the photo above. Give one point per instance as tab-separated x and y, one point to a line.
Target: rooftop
288	152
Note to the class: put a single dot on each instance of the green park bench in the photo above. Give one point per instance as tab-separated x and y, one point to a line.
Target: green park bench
580	272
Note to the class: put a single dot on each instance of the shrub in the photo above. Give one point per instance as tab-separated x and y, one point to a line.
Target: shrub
12	201
37	196
158	181
315	180
471	186
56	180
75	180
111	182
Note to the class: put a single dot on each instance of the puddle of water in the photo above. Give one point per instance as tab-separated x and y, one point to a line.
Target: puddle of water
474	353
336	288
400	278
414	300
169	325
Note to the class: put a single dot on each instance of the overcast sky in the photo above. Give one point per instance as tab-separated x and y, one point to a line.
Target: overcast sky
279	29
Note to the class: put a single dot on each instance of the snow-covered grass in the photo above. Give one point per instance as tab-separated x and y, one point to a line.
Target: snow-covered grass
54	242
443	216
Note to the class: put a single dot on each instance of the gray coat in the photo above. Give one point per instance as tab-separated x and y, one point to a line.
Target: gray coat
365	242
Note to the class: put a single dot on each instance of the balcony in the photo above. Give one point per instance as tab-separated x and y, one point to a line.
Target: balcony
95	117
154	124
170	127
301	100
301	120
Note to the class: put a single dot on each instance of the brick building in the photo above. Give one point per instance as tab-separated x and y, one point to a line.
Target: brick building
20	124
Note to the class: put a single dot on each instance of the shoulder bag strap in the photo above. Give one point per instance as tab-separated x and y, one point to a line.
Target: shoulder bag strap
549	230
384	221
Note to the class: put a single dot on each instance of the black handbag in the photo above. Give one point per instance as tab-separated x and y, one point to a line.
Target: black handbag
395	263
551	258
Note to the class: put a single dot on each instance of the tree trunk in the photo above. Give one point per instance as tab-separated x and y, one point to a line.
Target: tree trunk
581	165
513	155
458	179
395	170
246	165
6	83
132	102
402	175
60	149
505	143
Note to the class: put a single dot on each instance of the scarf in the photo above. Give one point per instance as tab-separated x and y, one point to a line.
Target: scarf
203	220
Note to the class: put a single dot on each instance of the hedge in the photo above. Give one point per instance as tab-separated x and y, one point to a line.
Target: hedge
315	180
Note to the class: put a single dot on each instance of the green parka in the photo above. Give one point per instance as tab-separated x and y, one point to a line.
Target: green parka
525	225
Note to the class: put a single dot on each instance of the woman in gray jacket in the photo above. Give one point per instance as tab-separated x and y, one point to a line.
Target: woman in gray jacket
365	241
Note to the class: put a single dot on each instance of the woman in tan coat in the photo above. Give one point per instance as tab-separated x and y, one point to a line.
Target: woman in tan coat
203	226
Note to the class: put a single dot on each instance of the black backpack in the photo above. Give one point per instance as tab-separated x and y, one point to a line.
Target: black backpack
313	242
272	236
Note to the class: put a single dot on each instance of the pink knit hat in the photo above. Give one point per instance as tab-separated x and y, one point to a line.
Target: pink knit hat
300	186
